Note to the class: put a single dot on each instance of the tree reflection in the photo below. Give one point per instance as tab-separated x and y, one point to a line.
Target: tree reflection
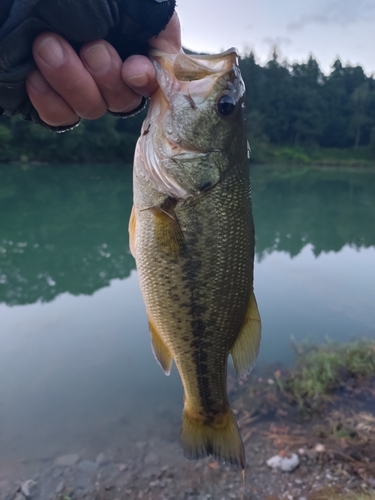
327	208
64	228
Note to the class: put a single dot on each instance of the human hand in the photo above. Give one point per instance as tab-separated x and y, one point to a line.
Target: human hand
67	86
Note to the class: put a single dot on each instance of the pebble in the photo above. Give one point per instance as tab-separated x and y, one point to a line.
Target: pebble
60	487
320	448
102	459
122	467
286	464
88	466
67	460
28	487
56	473
151	458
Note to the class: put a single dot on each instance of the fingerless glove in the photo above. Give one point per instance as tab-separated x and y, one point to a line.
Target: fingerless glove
126	24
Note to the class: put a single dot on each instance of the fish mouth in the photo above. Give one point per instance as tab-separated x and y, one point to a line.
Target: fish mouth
192	75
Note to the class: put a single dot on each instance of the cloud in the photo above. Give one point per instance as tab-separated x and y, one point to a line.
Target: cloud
339	12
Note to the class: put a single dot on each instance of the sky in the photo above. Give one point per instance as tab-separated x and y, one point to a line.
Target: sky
326	29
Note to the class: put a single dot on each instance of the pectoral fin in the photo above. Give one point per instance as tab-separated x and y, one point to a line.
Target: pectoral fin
160	350
168	232
132	225
246	347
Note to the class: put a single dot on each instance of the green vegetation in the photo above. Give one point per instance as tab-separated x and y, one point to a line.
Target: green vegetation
108	139
322	369
324	374
296	115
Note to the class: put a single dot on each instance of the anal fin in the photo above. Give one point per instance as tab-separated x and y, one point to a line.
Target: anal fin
161	352
246	347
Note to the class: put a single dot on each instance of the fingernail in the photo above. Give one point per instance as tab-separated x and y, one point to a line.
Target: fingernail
140	80
98	57
37	82
51	51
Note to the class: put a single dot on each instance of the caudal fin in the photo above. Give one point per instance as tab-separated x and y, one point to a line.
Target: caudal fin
219	438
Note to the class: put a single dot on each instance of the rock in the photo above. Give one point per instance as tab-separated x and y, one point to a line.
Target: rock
102	459
28	487
82	481
286	463
19	496
88	466
151	458
320	448
56	473
5	485
122	467
67	460
60	487
311	455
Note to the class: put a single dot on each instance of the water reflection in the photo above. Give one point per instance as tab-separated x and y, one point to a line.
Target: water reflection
64	228
326	208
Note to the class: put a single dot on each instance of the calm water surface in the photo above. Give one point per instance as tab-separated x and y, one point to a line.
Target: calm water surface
76	368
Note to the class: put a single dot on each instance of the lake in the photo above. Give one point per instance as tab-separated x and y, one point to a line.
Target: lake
76	367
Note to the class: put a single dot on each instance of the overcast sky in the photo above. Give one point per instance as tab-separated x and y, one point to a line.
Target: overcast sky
324	28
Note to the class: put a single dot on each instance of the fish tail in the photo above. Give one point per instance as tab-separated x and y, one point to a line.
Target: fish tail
218	437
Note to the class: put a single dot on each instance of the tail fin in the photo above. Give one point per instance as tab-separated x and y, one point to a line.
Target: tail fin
220	438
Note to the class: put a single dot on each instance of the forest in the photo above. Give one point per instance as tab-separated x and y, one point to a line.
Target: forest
295	113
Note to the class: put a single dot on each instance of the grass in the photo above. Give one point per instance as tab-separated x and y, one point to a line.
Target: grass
322	369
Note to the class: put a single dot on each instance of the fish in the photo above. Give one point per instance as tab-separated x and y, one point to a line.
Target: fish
191	233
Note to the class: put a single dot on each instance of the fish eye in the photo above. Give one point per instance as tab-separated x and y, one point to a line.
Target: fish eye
225	104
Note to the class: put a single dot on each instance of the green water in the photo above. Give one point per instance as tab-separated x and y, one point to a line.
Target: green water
76	368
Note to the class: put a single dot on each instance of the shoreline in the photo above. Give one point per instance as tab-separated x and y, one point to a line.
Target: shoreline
334	445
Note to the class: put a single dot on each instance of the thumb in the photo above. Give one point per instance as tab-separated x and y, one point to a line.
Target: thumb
169	40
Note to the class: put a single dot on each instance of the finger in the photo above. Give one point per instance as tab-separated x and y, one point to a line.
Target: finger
104	65
169	40
138	71
64	71
51	107
139	74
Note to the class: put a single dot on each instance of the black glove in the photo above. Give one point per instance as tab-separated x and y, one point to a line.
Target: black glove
126	24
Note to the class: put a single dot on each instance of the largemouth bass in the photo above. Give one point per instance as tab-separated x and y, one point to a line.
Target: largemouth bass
192	235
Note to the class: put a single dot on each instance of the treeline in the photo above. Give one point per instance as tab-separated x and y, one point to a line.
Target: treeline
107	139
296	104
288	105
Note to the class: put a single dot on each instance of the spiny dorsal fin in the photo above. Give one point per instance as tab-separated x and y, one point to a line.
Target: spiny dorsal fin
160	350
245	349
167	228
132	227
